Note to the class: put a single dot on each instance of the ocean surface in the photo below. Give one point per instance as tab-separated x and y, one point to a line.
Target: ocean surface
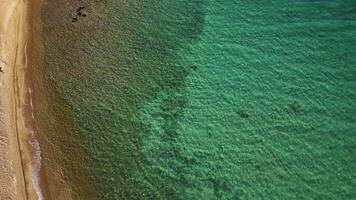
199	99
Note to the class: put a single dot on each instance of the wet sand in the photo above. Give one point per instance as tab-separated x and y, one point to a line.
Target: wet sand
19	151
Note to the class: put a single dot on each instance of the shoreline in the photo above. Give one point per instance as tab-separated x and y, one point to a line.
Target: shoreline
20	174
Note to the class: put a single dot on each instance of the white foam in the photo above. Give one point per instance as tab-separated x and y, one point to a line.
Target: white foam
26	55
31	104
36	165
36	160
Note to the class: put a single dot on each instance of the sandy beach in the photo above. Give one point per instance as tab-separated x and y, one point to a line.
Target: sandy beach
19	151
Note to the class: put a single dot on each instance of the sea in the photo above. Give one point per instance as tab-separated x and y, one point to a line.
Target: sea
197	99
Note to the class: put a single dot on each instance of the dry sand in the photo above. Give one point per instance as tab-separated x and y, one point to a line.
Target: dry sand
18	151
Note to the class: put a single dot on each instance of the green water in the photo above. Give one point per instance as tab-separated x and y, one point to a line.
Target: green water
204	99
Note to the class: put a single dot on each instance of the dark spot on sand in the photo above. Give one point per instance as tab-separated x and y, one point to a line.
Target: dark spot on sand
80	12
80	9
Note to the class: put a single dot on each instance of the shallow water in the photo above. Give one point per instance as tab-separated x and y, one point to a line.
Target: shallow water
201	99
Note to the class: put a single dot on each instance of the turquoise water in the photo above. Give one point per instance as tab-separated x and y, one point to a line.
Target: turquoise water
201	99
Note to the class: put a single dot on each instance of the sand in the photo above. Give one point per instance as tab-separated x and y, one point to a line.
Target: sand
19	152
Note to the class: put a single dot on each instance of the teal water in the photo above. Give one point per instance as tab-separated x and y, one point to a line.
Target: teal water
202	99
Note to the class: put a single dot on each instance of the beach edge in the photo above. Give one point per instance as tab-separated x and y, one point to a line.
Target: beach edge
20	173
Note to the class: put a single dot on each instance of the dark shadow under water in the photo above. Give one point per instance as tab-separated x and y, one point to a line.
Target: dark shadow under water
100	69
